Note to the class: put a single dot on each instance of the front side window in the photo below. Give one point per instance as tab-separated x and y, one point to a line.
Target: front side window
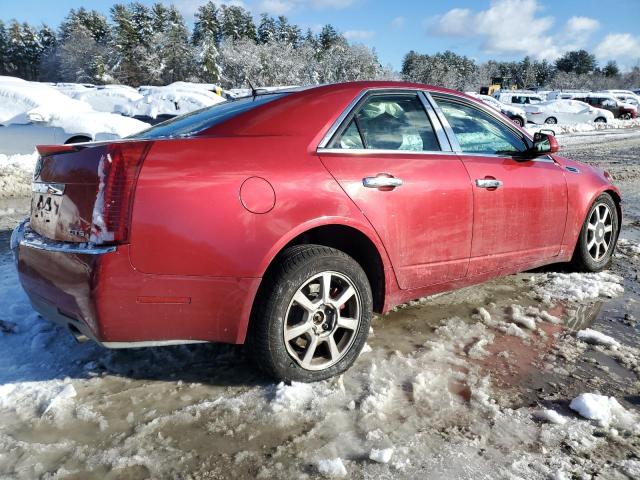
390	122
479	132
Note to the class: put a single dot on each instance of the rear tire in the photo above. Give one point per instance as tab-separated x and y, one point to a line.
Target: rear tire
598	236
325	328
600	120
551	121
518	121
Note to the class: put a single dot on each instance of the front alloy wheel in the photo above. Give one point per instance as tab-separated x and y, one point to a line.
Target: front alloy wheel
598	236
311	316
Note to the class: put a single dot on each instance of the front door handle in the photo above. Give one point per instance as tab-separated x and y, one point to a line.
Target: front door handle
383	181
488	183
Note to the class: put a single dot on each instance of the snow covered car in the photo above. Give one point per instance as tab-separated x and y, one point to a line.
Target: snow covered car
565	111
516	114
255	222
162	103
32	114
108	98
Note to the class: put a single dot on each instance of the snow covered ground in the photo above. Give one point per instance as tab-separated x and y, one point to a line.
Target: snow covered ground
535	376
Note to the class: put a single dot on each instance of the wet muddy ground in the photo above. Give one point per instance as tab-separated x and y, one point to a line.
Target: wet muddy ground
449	384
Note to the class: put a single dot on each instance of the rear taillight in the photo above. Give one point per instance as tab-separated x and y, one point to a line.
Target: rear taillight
118	172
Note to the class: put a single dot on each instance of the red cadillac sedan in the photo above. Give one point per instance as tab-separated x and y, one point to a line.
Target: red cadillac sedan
284	220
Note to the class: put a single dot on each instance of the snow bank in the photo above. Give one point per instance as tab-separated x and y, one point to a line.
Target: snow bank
628	247
560	129
604	410
597	338
16	173
579	286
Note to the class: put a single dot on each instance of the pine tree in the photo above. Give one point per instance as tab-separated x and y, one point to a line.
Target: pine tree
15	49
237	23
159	17
175	50
207	25
32	52
267	30
131	52
328	37
287	32
3	48
206	40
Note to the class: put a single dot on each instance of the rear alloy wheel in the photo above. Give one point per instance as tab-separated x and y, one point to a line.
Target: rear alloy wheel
551	121
312	316
625	116
600	120
598	236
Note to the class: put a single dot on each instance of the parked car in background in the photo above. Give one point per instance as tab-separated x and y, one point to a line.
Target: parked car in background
565	111
565	94
607	101
33	113
518	98
630	99
108	98
516	114
254	221
158	104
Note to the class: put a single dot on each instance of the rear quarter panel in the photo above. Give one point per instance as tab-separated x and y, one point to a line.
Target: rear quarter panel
188	217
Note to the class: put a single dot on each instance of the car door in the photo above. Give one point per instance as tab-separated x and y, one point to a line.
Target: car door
393	160
520	206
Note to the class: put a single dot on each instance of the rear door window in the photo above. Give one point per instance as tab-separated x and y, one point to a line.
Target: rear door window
394	121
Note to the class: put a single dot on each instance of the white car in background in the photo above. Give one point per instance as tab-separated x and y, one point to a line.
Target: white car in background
516	114
518	98
566	111
33	114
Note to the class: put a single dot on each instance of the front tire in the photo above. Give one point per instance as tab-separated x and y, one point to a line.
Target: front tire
598	236
551	121
600	120
312	315
518	121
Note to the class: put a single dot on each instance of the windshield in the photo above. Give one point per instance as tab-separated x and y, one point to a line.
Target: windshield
199	120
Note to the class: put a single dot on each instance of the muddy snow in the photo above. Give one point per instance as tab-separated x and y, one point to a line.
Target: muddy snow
534	376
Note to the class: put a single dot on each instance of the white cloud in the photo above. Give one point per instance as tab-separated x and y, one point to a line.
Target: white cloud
276	7
358	34
507	26
188	8
623	47
582	25
398	23
279	7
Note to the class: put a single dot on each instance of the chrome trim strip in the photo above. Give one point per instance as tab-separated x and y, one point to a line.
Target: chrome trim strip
24	236
435	122
345	113
453	141
150	343
49	188
373	151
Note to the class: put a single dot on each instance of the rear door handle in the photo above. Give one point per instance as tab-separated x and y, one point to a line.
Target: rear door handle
382	181
488	183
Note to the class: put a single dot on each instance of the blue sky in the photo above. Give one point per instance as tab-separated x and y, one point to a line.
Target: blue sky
481	29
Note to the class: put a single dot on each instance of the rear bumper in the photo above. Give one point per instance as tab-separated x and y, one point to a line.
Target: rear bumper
96	293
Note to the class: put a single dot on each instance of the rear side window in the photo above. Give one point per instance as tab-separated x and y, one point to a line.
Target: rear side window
390	122
479	132
195	122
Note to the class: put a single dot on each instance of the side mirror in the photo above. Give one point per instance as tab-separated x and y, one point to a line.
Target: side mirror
35	117
544	143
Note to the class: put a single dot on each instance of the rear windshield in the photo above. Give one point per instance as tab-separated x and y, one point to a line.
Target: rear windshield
199	120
